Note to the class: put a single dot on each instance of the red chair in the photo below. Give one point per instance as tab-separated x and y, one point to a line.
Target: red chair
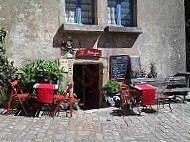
67	97
130	98
16	95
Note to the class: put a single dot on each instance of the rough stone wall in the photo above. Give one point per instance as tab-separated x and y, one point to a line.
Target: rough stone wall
32	24
163	38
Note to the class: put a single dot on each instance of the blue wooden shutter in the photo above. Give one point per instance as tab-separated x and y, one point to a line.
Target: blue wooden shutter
78	11
118	13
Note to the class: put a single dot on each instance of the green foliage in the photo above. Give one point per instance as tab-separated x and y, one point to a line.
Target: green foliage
3	34
152	73
61	91
41	72
111	88
7	70
4	97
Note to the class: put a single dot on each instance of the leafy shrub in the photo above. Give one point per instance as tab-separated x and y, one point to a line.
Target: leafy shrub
4	97
7	69
41	72
111	88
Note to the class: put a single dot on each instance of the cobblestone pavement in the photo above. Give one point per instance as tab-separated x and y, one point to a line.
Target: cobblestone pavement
101	125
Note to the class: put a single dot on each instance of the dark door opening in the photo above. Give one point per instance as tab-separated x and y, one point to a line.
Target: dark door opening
187	20
87	84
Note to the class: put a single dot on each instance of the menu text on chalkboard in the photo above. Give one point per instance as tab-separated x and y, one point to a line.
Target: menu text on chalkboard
119	66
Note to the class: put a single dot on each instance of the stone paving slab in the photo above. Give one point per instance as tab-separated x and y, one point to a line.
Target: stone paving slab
105	125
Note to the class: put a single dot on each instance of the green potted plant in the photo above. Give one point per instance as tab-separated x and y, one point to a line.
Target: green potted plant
111	92
111	88
152	73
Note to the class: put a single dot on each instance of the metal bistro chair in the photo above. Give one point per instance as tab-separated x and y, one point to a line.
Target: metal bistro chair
161	97
16	96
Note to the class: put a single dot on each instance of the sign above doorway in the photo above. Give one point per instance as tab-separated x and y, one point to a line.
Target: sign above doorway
89	53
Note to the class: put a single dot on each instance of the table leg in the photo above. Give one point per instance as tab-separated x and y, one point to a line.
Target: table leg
187	80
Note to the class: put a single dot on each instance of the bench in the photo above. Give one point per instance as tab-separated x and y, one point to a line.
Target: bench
177	92
177	87
175	82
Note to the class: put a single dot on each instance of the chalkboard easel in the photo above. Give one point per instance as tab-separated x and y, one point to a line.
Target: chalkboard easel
120	67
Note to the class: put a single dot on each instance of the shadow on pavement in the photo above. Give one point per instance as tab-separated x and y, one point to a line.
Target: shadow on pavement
124	113
148	110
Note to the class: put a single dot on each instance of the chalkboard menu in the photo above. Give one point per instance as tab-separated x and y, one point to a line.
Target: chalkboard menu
135	63
119	66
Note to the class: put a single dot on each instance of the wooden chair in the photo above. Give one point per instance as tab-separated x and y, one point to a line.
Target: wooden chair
16	96
66	97
129	97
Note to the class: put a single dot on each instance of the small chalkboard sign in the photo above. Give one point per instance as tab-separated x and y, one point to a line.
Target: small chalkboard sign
135	63
119	67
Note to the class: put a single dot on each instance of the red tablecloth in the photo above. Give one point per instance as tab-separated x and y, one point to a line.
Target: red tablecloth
148	94
45	93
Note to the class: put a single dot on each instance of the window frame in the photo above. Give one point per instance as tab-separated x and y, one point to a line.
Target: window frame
118	13
79	13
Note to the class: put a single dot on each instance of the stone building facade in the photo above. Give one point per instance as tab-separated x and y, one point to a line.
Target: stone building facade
37	29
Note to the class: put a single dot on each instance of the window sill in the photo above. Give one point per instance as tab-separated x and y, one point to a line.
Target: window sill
82	28
117	29
88	34
96	28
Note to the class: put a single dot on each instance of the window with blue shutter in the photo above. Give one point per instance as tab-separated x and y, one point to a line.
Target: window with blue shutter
80	11
120	13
